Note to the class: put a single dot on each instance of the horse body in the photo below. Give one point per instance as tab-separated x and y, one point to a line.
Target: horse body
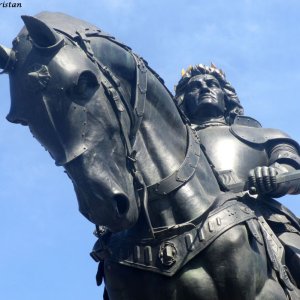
232	269
69	110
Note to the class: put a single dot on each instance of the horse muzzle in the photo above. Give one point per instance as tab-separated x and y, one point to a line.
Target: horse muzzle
110	207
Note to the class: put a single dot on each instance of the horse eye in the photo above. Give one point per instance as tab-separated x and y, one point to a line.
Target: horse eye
86	85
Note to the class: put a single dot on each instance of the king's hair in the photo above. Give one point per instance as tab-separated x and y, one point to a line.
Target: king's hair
232	102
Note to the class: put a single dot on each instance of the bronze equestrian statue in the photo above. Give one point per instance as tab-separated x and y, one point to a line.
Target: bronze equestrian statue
166	229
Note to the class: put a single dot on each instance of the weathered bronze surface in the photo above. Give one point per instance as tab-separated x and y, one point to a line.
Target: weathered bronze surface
169	223
239	149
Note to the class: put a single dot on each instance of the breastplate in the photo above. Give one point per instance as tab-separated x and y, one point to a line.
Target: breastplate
231	155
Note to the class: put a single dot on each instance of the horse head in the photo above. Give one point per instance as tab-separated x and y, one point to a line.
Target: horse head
56	90
87	100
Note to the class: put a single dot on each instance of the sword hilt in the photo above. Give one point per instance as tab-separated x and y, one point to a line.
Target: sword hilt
280	178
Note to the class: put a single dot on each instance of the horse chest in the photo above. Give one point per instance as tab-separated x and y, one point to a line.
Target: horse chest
223	271
192	283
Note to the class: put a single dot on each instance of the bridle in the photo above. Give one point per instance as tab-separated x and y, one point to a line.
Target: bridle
120	101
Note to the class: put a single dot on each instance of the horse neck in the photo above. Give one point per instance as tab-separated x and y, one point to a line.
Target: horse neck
161	143
159	152
162	138
162	146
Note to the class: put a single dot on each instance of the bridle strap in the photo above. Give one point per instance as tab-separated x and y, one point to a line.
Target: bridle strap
112	85
184	173
117	94
140	94
118	98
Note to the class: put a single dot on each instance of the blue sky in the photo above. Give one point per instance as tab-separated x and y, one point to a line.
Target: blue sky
45	241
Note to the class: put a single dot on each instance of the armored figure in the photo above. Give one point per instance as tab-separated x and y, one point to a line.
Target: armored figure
238	148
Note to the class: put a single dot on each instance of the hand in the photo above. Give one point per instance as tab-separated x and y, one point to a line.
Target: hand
262	180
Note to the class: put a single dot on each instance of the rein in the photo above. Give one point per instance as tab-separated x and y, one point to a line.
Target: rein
117	96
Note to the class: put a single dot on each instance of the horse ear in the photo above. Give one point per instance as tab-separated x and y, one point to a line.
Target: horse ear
4	57
42	35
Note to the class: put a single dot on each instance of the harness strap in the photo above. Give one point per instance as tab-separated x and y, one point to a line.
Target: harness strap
276	253
140	94
183	173
118	105
118	96
114	95
116	86
168	256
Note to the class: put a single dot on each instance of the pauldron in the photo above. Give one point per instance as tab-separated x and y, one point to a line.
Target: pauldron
254	135
281	147
249	130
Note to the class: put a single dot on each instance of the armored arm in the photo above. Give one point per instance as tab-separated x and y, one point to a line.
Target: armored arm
283	157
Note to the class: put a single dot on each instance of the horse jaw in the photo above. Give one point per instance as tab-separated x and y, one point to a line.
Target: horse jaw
105	191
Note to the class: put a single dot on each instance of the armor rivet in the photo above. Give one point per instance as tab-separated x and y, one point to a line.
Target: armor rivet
201	235
189	242
136	253
148	255
211	226
245	209
167	254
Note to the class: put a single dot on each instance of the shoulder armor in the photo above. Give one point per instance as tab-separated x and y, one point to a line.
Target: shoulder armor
255	135
246	121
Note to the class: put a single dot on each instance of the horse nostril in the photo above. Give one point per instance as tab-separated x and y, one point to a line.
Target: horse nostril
122	203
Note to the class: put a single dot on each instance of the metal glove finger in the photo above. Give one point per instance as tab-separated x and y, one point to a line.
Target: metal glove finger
259	180
273	174
266	179
252	182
